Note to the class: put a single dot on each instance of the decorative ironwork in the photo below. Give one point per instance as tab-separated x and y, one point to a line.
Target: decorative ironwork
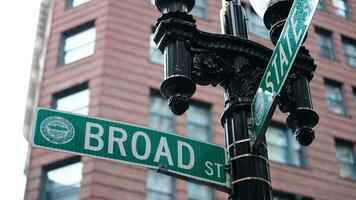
237	65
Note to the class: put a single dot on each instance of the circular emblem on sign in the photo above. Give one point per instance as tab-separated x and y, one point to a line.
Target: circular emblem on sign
259	107
57	130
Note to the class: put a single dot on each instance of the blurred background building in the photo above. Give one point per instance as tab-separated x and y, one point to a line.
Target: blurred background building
97	57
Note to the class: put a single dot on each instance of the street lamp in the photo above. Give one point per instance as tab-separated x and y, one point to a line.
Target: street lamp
236	64
302	117
177	86
274	14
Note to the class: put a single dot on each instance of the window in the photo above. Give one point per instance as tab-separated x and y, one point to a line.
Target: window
156	55
345	155
349	51
199	127
285	196
325	43
255	24
161	117
199	122
341	8
282	147
335	97
199	192
321	5
160	186
77	43
62	181
75	99
200	9
75	3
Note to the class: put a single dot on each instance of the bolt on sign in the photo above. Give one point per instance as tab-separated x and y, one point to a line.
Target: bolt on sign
177	155
293	33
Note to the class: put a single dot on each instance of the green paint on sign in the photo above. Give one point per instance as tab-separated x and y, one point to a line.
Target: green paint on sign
116	141
281	62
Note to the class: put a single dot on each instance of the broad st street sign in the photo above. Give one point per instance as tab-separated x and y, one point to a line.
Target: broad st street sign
176	155
294	31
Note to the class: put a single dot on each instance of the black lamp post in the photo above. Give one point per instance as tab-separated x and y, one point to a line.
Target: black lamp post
237	65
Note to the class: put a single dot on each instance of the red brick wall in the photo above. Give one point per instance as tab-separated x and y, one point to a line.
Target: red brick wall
120	78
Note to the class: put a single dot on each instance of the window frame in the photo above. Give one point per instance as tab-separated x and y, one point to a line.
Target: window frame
57	165
205	7
173	194
72	32
69	91
351	42
205	106
210	189
69	4
290	138
153	50
156	94
340	86
325	34
347	11
350	145
321	5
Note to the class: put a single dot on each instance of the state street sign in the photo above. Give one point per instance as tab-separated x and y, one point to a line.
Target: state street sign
177	155
264	102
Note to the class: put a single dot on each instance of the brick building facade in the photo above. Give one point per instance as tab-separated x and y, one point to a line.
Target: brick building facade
96	57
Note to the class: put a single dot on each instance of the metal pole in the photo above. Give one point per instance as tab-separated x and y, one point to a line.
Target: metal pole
249	169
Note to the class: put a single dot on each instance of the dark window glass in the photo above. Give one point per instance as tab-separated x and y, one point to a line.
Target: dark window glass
199	127
282	147
335	97
321	5
349	51
341	8
345	155
77	43
325	43
160	187
255	24
75	3
75	99
62	181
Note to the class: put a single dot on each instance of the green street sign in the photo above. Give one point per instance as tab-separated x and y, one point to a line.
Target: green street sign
173	154
264	102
